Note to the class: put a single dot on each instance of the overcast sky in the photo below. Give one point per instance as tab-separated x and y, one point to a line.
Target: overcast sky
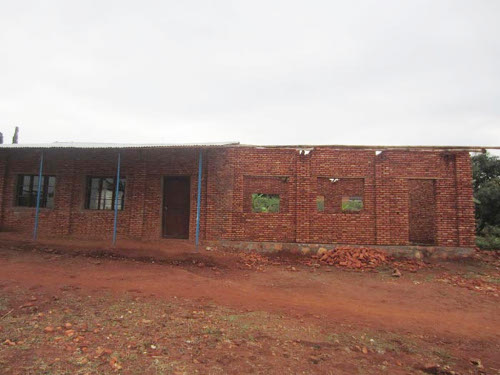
264	72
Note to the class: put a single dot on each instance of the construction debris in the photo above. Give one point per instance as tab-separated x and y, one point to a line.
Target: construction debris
396	273
349	257
253	260
353	257
476	284
410	265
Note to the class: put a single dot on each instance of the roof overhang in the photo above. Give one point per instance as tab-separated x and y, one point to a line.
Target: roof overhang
80	145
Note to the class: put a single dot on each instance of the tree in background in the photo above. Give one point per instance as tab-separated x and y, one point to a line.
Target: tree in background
15	138
486	180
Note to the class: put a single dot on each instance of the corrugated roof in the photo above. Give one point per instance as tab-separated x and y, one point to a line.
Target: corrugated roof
83	145
115	145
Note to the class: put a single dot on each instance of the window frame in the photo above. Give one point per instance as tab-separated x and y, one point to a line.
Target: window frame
32	200
88	193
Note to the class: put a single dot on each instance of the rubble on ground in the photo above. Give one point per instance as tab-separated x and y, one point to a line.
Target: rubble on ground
253	261
491	257
410	265
476	284
353	257
349	257
396	273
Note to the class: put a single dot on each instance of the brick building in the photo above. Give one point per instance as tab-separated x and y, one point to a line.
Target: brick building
277	195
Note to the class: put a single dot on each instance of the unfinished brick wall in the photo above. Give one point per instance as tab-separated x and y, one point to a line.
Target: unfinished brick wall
263	168
334	190
265	185
350	167
385	216
231	175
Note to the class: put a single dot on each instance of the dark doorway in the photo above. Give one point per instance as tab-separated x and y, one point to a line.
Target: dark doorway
176	206
422	212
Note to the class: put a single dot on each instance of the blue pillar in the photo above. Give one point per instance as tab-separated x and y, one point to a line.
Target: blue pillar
198	200
38	195
117	190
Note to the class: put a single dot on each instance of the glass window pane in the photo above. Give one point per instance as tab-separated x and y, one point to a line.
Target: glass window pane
101	193
26	184
121	194
23	192
52	181
28	188
49	198
120	200
93	202
107	193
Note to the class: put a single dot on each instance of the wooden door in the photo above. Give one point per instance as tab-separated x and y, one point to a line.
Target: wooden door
176	206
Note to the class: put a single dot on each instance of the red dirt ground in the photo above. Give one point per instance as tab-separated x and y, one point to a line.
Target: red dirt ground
424	307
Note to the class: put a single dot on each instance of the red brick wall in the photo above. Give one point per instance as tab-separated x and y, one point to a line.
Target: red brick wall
231	175
259	165
338	226
422	214
143	170
333	190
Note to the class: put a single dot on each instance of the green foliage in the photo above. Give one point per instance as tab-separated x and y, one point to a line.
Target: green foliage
486	179
353	204
320	203
485	167
489	239
488	204
265	202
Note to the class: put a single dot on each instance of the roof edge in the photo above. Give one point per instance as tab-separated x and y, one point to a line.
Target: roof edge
84	145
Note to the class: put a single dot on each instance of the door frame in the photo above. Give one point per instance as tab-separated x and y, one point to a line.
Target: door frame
162	208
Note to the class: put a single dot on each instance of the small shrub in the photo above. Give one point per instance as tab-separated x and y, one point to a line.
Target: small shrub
489	238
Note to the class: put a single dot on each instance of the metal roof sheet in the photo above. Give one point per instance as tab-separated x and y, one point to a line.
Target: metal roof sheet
84	145
115	145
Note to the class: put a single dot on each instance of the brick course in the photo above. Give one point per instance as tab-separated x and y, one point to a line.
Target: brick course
232	174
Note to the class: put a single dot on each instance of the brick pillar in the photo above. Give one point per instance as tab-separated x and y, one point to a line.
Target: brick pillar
63	204
304	200
238	222
136	182
391	205
465	204
219	207
446	214
446	205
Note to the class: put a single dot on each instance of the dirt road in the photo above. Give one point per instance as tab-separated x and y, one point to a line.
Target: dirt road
417	303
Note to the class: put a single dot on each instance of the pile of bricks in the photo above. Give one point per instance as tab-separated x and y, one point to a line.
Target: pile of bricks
352	257
253	261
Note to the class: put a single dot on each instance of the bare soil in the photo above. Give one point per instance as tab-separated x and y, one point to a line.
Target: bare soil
76	310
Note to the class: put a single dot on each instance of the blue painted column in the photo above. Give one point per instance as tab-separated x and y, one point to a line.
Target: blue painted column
198	200
38	195
117	190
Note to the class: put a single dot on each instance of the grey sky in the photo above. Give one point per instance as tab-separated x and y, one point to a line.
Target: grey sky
265	72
